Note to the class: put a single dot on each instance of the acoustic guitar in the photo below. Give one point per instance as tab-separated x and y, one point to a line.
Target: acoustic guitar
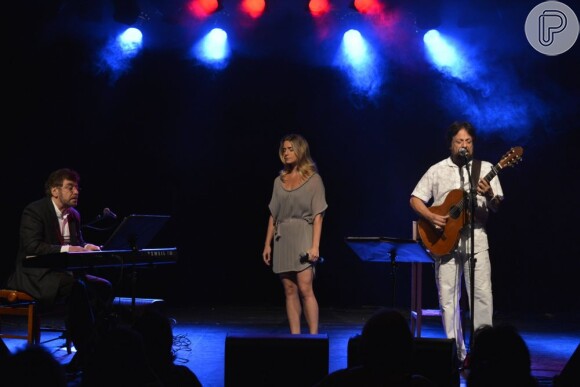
441	241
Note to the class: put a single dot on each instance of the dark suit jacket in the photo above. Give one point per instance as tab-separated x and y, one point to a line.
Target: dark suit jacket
40	234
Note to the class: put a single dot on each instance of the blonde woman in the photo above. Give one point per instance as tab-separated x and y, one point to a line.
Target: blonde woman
292	243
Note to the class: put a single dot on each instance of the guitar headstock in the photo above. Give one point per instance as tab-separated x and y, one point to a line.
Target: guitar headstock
512	157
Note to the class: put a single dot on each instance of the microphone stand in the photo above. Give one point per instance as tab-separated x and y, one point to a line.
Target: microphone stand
96	220
472	206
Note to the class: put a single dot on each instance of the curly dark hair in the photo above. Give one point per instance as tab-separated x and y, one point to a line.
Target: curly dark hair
56	178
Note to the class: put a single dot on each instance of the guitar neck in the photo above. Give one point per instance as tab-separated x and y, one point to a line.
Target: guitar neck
493	173
512	157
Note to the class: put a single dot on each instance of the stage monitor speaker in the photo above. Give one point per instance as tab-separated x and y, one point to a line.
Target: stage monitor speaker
435	359
275	360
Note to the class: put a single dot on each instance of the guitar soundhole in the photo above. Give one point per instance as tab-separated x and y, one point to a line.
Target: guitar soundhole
454	212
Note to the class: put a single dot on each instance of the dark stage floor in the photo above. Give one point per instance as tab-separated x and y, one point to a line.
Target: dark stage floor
200	336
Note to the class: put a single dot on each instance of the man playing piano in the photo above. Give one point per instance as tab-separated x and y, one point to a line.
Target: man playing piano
52	225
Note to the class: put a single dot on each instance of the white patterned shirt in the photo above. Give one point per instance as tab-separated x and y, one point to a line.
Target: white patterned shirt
445	176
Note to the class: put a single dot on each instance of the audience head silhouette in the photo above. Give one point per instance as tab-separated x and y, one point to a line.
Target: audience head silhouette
119	359
156	329
386	355
32	365
4	351
387	342
499	357
157	333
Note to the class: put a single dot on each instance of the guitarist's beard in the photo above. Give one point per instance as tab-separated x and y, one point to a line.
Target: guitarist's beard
460	161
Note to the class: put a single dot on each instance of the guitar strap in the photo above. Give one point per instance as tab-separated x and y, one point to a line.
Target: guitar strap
475	171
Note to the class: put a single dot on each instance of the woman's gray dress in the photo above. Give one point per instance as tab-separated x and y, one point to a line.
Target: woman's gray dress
293	212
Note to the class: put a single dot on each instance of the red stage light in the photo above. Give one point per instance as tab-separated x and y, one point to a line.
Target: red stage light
318	7
368	6
254	8
203	8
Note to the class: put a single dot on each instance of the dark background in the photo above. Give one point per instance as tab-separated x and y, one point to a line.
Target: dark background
170	136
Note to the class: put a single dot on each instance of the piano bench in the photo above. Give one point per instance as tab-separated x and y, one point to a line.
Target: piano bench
18	303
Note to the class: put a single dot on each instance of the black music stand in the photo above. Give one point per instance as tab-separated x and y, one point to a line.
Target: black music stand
393	251
134	233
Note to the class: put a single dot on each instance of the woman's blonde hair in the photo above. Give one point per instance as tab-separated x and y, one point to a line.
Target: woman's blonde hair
304	164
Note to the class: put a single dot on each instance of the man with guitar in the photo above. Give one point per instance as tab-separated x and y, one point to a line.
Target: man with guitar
445	229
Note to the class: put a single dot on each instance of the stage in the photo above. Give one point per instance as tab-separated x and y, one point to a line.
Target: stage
200	336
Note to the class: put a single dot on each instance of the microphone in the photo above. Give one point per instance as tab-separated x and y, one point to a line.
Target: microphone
463	152
107	213
305	258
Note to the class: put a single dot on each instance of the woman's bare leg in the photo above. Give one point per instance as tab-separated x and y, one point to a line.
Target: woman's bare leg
309	302
293	306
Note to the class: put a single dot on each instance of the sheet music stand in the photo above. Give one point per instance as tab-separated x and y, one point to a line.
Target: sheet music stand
395	250
134	233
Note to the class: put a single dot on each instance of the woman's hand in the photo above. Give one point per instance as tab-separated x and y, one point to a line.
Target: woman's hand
313	254
267	255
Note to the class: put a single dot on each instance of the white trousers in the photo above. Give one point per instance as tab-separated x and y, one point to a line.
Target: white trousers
448	276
